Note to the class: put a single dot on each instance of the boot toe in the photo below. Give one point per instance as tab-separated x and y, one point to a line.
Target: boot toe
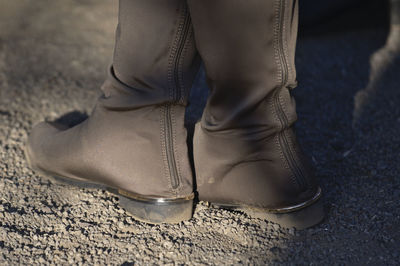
36	148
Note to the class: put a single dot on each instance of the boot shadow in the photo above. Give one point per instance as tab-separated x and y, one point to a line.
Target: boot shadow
70	119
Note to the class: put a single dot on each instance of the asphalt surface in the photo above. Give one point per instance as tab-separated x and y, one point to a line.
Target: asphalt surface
53	58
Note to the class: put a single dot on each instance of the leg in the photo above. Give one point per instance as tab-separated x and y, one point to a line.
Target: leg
245	151
135	140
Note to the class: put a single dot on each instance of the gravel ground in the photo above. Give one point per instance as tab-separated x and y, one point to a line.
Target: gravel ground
53	58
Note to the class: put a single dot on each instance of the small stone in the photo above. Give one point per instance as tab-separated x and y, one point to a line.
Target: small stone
276	227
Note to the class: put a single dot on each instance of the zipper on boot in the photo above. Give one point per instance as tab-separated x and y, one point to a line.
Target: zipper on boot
299	177
169	140
185	27
169	147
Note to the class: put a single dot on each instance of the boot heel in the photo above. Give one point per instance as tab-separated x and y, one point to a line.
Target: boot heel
301	216
157	210
300	219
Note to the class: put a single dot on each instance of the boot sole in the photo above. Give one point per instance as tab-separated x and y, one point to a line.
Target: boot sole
300	216
152	210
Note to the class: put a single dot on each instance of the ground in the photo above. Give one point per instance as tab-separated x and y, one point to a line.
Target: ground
53	58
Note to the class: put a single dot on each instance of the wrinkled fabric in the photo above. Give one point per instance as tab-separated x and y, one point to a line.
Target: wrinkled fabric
245	150
136	131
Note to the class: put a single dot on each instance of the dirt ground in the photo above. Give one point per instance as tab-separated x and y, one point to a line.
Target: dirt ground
53	58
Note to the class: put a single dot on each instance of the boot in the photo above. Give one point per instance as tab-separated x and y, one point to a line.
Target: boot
245	151
134	142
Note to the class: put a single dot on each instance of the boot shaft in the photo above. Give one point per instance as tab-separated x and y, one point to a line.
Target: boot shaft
245	149
248	51
155	56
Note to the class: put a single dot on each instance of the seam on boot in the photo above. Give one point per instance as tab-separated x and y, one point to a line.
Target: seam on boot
180	69
295	147
173	52
178	168
163	147
282	103
173	72
285	43
276	42
279	81
187	43
291	75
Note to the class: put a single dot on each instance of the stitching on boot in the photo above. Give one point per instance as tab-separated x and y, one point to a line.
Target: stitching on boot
180	71
173	87
187	44
285	43
282	103
285	51
276	43
180	66
163	146
279	78
286	55
178	168
277	92
173	51
296	149
288	135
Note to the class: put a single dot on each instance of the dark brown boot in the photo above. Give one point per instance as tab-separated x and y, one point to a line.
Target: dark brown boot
245	151
135	140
